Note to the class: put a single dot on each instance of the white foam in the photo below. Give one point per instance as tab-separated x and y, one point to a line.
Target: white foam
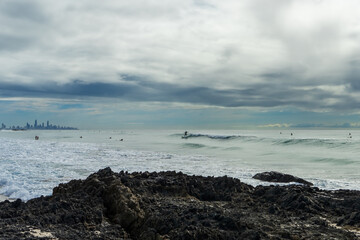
32	169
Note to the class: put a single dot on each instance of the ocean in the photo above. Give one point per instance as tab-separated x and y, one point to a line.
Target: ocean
31	168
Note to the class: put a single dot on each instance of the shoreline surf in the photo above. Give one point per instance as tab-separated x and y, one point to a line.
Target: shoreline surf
32	168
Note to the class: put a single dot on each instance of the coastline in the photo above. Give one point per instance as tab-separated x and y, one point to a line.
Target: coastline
173	205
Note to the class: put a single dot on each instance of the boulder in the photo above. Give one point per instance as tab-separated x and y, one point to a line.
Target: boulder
280	178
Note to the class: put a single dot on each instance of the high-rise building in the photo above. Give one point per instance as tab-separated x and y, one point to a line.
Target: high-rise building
47	124
35	124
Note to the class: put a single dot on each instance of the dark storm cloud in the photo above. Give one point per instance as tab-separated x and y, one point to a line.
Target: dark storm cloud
71	90
136	89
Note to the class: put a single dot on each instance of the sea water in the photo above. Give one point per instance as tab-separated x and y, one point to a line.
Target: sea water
31	168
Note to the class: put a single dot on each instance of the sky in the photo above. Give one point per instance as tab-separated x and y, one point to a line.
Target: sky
181	63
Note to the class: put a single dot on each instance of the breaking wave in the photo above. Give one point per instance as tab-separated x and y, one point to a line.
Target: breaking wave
325	142
219	137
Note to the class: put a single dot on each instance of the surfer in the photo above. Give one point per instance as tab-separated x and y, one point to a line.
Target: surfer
185	135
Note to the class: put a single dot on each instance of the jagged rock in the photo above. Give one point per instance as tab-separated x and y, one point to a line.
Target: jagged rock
122	206
170	205
280	178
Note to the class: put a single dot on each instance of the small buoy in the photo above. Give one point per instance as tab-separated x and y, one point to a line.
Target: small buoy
36	137
121	139
80	136
109	137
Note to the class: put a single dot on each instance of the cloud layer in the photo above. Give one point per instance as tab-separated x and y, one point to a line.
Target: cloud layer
253	53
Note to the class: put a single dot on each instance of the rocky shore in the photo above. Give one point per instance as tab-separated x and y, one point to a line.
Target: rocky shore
170	205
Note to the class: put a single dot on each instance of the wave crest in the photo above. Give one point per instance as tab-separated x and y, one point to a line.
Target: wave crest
218	137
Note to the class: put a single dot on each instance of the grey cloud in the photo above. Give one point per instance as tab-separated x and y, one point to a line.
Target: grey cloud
274	75
309	40
13	43
233	54
135	88
23	23
26	10
202	3
353	77
352	73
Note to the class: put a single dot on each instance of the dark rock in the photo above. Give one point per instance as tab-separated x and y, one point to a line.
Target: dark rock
280	178
170	205
352	219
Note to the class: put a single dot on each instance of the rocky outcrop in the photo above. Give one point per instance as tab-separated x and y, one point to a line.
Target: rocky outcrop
171	205
280	178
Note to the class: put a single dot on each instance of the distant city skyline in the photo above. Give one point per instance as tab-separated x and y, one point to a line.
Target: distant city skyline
36	126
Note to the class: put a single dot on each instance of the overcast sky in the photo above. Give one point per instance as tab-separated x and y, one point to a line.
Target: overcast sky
231	63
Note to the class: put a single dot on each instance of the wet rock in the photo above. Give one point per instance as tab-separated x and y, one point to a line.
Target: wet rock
171	205
280	178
